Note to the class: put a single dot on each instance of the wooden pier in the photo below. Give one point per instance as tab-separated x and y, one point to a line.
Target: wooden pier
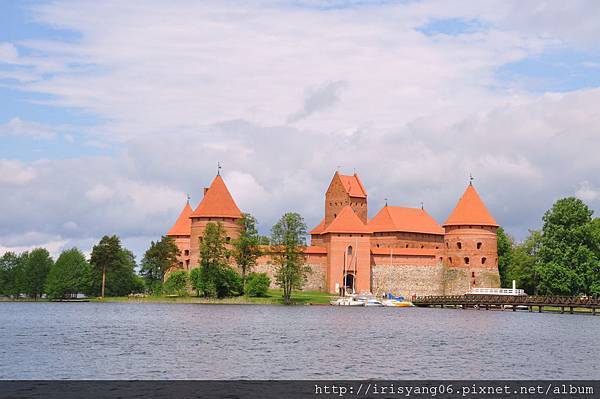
513	302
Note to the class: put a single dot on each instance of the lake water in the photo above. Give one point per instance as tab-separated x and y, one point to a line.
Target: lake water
191	341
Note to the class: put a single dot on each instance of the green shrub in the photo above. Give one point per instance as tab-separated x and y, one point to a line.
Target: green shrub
258	284
176	283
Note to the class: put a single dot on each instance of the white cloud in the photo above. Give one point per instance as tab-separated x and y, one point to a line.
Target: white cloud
281	95
588	193
18	127
15	173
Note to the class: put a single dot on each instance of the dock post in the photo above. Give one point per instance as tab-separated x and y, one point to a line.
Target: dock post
593	311
571	309
530	308
562	309
514	308
540	309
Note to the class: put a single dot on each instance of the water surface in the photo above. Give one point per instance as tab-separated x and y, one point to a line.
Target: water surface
192	341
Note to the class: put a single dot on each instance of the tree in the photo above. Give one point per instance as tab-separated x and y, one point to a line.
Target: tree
35	272
11	273
523	260
504	257
258	285
567	258
176	283
113	269
288	239
196	280
246	248
69	276
215	278
161	256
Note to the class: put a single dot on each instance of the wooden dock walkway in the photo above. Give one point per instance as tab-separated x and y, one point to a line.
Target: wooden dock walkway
514	302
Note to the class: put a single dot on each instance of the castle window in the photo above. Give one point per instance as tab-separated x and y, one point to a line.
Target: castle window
479	245
377	245
437	247
406	245
334	215
441	259
450	260
422	246
459	245
227	239
350	250
473	274
483	260
181	264
447	245
466	260
186	252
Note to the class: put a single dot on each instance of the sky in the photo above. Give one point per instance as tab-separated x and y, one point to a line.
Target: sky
112	112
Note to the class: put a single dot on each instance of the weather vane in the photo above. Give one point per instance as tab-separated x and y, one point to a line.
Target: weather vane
385	201
471	178
422	205
188	197
218	168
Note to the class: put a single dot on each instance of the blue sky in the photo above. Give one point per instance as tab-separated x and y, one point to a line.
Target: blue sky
113	111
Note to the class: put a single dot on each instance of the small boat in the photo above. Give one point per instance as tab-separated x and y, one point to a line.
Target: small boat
348	301
396	302
373	302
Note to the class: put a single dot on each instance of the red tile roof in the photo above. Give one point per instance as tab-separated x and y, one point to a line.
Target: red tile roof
353	186
217	202
470	210
319	228
183	225
404	251
396	218
347	222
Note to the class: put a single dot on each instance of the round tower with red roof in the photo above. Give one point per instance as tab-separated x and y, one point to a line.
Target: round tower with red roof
216	206
471	247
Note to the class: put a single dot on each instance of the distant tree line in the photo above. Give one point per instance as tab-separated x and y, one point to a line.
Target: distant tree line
33	274
111	268
563	258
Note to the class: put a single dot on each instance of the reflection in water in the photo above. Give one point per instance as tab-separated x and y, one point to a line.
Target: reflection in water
161	341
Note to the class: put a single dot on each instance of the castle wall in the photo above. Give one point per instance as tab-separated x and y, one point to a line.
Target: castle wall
316	278
407	275
471	256
183	244
232	231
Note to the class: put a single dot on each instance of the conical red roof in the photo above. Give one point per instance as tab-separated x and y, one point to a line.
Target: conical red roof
217	202
347	222
470	210
396	218
183	224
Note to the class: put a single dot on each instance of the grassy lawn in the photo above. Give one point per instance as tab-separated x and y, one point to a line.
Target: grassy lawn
274	298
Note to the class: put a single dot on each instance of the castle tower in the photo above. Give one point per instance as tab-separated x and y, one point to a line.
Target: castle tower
345	191
471	247
216	206
180	233
348	244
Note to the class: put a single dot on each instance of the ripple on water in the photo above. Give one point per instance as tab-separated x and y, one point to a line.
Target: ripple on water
161	341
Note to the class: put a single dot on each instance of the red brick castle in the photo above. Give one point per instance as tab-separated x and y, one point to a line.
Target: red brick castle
401	250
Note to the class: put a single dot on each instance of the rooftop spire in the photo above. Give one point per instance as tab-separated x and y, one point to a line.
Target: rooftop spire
470	210
217	202
183	225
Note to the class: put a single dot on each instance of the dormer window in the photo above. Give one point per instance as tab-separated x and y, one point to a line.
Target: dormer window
479	245
459	245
